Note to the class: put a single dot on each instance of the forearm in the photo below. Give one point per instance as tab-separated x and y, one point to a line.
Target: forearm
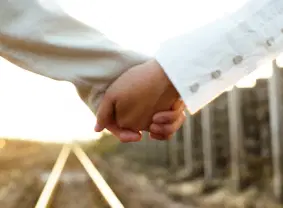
203	64
42	38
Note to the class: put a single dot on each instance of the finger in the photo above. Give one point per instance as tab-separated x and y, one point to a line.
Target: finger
168	117
160	137
105	113
179	103
124	135
167	129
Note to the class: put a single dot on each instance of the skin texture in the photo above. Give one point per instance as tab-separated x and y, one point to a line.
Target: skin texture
166	123
143	98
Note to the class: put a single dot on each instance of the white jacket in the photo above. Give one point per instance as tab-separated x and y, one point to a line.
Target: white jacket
41	36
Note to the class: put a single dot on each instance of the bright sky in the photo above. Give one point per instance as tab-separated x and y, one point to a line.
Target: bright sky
35	107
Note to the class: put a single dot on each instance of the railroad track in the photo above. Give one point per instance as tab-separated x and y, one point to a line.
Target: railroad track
81	187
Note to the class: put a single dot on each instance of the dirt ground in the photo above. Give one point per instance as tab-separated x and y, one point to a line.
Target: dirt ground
25	167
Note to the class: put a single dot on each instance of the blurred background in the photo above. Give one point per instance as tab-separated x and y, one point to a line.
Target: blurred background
227	155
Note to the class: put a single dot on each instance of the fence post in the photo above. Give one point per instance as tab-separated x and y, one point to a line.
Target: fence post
188	135
236	137
276	128
173	152
208	144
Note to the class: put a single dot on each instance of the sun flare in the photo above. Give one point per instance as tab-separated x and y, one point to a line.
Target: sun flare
35	107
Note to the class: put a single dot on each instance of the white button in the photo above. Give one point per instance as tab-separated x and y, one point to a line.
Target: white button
216	74
237	59
194	88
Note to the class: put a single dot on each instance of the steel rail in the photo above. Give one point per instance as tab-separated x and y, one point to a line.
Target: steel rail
51	184
97	178
50	187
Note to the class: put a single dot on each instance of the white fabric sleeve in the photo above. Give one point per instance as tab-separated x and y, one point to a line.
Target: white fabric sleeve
204	63
41	37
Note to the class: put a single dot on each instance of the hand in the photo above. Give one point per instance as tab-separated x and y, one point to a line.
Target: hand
166	123
132	100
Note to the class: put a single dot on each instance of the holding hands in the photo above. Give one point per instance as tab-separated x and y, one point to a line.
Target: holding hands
141	99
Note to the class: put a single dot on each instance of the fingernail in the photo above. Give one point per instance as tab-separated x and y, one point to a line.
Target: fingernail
129	136
98	128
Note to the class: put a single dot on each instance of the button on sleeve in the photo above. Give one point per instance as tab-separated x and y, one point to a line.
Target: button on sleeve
220	54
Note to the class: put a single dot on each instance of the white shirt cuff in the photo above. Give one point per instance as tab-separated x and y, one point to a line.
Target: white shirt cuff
203	64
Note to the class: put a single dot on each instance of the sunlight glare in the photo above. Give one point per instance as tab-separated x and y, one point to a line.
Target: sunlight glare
37	108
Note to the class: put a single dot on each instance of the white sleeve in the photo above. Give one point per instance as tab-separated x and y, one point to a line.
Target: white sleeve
204	63
41	37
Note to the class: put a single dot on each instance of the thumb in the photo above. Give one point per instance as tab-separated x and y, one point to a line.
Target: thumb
124	135
105	114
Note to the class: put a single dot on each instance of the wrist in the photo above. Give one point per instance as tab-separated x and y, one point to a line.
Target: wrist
161	77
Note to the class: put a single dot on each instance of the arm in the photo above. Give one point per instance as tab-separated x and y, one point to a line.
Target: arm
200	65
203	64
41	37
